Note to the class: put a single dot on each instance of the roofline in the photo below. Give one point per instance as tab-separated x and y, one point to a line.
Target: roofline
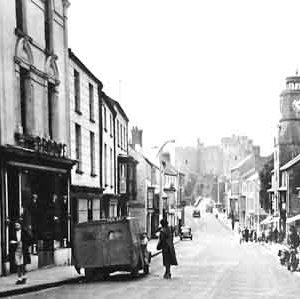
73	57
120	108
107	100
291	163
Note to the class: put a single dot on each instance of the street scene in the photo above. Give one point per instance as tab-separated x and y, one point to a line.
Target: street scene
212	265
149	149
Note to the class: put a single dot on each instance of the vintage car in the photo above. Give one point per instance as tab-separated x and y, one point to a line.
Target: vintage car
105	246
186	233
196	213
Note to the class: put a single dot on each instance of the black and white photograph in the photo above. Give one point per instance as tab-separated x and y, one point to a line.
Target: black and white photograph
149	149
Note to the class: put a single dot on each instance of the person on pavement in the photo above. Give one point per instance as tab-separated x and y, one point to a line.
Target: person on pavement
20	241
246	233
293	238
165	244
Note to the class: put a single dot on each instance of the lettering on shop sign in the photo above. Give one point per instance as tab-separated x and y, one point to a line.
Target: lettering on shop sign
42	145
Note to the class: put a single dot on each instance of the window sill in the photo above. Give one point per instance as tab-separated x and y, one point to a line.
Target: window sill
93	175
79	171
78	112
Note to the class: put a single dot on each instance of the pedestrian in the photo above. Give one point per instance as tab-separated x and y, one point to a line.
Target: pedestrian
275	235
165	244
246	232
20	241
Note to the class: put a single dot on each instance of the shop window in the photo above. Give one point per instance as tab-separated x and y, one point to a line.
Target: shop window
82	210
77	91
78	148
96	209
91	98
24	97
90	209
92	148
51	90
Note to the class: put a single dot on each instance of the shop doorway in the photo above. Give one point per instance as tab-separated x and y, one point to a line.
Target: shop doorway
39	198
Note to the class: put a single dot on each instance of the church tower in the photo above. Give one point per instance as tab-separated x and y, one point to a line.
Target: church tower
289	125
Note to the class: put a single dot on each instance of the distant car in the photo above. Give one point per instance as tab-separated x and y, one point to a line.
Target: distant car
196	213
186	233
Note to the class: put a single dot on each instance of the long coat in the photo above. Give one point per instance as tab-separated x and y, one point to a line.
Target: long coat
26	241
167	246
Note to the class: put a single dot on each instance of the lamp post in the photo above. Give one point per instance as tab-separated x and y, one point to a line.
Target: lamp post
162	176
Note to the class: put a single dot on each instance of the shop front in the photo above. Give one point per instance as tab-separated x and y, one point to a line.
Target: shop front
35	190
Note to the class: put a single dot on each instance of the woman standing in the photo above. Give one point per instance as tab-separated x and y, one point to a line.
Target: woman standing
165	244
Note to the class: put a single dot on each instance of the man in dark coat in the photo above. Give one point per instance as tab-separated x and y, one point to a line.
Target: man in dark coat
165	243
246	234
20	241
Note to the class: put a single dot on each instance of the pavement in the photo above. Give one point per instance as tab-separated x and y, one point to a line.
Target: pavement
52	276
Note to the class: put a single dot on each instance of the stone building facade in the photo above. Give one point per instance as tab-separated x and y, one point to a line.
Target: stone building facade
35	159
85	92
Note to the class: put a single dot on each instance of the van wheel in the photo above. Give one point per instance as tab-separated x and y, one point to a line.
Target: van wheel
146	269
134	273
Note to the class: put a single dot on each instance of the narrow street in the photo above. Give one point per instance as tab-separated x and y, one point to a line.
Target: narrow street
213	265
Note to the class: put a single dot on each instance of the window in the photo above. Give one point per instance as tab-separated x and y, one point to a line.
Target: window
118	133
92	147
51	90
121	135
82	210
111	124
78	148
105	165
24	85
124	137
131	181
91	97
48	25
20	14
77	91
104	119
111	168
90	209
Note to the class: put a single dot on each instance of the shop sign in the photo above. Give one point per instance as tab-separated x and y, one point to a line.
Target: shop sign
42	145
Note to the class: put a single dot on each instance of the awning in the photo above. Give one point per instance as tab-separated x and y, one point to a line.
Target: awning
270	219
267	220
293	219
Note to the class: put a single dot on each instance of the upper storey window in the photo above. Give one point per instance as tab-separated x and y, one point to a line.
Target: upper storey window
49	25
77	91
20	15
24	95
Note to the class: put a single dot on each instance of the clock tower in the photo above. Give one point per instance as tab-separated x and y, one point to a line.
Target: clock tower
289	125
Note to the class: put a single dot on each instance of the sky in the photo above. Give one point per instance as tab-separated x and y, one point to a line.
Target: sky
188	69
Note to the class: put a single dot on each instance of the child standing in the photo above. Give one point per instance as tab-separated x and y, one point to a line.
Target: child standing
20	241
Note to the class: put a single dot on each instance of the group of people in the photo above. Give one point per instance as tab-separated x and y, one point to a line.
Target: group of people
247	235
